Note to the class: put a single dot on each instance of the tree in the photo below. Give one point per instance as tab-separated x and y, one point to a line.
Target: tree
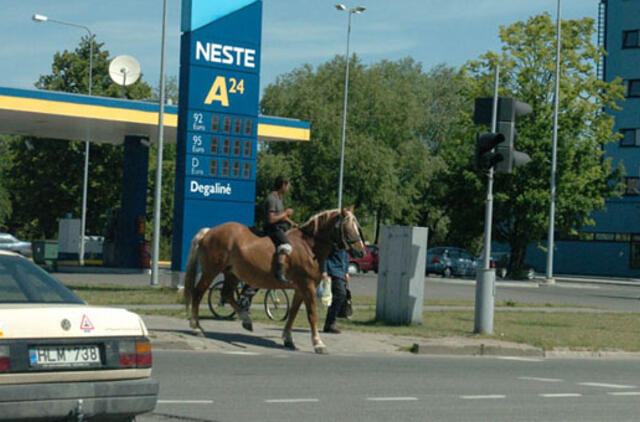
172	91
5	201
392	133
167	192
45	176
584	179
168	176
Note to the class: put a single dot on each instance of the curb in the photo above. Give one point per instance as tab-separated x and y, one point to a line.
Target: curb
533	352
475	350
614	282
598	354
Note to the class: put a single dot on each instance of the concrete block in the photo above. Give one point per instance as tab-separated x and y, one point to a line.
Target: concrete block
400	294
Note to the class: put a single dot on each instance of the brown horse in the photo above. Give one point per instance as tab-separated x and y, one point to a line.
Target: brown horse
234	250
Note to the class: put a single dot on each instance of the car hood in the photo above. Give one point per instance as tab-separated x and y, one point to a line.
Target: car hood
48	321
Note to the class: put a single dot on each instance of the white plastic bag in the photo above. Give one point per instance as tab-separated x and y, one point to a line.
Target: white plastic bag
323	292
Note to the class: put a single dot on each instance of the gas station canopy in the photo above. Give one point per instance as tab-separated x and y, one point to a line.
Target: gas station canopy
59	115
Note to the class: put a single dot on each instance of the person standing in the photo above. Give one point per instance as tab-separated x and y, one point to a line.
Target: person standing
276	222
337	267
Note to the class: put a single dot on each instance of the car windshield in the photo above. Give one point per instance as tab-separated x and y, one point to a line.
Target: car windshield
24	282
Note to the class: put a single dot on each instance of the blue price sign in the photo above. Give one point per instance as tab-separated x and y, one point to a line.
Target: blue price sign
217	127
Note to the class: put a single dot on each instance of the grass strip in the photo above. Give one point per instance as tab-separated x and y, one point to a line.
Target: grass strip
116	294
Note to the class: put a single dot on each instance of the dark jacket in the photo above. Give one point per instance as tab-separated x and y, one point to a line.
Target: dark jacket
337	264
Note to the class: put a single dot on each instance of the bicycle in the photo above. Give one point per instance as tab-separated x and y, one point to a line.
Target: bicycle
276	301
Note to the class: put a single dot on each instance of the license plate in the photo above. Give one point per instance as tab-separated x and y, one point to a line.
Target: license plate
64	356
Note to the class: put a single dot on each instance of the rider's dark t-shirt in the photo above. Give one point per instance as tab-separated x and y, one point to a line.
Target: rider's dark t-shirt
273	203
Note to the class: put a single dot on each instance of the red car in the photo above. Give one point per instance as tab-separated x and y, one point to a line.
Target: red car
369	262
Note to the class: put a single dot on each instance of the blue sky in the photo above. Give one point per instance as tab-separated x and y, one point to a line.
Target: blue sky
294	31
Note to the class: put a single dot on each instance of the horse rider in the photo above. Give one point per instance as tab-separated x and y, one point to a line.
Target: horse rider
277	222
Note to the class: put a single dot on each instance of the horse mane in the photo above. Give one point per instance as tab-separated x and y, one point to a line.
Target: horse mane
312	224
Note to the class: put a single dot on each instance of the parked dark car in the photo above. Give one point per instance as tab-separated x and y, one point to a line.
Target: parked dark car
502	259
9	242
369	262
449	261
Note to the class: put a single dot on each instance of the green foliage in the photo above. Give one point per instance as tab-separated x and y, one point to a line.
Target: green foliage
45	176
166	206
171	91
584	177
5	201
44	187
397	116
70	73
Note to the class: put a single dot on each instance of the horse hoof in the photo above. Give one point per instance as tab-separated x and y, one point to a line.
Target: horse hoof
199	332
289	345
247	325
322	350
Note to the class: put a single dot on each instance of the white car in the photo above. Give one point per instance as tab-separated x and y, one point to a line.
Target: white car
63	359
10	243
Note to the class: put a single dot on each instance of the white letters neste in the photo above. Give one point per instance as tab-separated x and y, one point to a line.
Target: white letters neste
206	190
226	54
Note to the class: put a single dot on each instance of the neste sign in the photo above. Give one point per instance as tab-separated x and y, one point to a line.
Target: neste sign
225	54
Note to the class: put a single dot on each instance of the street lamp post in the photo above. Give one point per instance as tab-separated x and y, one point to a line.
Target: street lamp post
158	188
356	10
41	18
554	159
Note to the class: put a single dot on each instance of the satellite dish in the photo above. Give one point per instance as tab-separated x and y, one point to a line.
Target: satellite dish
124	70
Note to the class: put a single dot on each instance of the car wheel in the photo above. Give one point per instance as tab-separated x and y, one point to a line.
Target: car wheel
530	273
447	273
353	268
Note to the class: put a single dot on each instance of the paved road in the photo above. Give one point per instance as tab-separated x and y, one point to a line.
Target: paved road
294	386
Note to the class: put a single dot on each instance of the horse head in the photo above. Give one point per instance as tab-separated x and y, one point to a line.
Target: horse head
349	234
339	227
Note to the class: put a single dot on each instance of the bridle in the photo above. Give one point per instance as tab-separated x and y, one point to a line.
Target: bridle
339	235
347	241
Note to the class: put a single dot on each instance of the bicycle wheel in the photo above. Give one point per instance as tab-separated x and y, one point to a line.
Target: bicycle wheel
276	304
218	306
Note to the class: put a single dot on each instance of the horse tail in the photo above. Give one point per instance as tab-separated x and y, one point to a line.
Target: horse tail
192	267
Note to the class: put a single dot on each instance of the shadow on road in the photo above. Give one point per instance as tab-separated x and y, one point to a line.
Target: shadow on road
234	339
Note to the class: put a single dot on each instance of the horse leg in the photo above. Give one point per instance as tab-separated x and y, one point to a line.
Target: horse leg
309	296
229	287
293	312
201	288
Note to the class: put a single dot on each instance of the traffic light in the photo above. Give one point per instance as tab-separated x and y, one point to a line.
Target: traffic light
508	110
485	156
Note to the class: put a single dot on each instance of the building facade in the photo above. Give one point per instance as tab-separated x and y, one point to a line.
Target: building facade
612	246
